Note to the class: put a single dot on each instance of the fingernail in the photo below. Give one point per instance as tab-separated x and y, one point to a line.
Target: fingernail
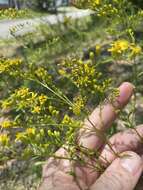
126	90
131	163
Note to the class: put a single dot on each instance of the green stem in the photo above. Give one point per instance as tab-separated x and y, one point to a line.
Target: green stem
63	98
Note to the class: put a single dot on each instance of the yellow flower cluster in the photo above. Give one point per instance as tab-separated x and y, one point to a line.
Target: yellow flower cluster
83	74
43	75
121	46
6	124
94	3
8	65
107	10
41	101
20	136
4	139
78	105
23	98
22	92
36	109
29	133
86	3
101	7
12	13
40	72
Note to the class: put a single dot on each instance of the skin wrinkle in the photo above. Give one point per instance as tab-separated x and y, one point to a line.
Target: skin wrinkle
86	174
51	164
113	182
59	177
62	169
123	141
88	170
94	135
52	169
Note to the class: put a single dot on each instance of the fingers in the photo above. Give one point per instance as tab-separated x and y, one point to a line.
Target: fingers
102	118
122	174
130	140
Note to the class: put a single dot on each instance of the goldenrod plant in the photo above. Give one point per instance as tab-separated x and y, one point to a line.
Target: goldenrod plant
43	104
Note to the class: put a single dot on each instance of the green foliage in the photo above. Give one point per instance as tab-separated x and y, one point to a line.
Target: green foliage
48	94
12	13
36	118
138	3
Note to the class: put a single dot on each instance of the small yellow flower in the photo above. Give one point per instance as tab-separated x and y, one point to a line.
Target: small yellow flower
36	109
136	50
66	119
97	2
20	136
30	131
98	49
6	104
42	99
62	72
33	95
4	139
22	92
6	124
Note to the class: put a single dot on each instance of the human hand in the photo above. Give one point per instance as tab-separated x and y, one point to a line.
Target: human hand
124	154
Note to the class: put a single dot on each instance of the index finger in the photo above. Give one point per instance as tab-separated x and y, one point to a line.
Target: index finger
101	119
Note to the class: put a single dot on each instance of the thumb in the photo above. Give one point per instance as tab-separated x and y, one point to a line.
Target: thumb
122	174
